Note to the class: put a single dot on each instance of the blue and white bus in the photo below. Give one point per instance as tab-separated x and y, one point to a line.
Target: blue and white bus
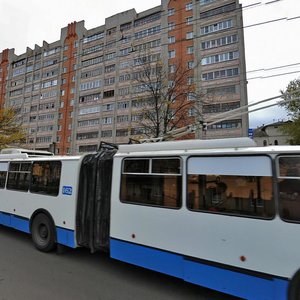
223	214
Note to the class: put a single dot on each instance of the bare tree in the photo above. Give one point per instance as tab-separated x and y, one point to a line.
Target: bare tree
168	100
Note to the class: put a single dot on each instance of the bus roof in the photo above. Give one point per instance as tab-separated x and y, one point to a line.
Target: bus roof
30	153
188	145
217	147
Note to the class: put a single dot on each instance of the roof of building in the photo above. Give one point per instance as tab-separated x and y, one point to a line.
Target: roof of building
261	131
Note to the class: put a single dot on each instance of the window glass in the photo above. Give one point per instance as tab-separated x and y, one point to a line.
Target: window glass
136	166
168	166
161	186
289	187
239	195
18	176
3	175
46	177
240	186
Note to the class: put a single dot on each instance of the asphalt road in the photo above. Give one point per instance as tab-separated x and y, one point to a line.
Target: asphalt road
26	273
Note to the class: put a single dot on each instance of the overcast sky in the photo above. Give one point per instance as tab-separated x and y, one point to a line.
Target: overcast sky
270	48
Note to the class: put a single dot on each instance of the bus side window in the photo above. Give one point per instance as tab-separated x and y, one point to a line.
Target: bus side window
3	175
235	185
289	187
240	195
18	176
152	181
45	177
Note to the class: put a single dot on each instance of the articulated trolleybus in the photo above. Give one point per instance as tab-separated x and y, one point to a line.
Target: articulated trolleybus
223	214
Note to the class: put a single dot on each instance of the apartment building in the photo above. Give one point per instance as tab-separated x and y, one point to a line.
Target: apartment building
82	89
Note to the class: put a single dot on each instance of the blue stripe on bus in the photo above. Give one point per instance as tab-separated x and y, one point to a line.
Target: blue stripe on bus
64	236
20	224
5	219
216	278
13	221
160	261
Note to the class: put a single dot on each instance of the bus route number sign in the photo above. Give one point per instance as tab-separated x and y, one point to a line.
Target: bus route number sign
67	190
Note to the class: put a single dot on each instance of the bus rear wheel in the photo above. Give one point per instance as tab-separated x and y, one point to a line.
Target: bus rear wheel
43	233
294	288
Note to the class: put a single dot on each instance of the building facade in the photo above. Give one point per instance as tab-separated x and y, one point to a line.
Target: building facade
82	88
271	134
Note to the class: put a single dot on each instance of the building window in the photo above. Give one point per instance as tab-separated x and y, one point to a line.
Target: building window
124	77
92	61
189	35
171	12
222	41
220	57
86	123
220	74
87	135
88	148
190	80
190	65
121	132
171	39
216	27
123	105
222	90
171	54
108	107
90	98
106	133
90	85
93	37
110	68
92	49
125	26
108	94
147	32
203	2
172	69
171	25
189	21
124	91
147	19
107	120
218	11
189	6
190	50
230	124
125	51
220	107
109	81
192	112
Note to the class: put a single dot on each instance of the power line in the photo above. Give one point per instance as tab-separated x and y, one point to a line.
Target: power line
274	75
239	111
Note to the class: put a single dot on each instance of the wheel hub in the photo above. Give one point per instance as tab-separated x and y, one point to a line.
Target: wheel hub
43	231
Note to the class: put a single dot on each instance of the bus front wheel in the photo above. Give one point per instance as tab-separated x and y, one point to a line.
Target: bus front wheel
43	233
294	288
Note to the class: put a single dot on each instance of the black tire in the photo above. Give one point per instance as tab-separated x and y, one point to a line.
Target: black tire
43	233
294	287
